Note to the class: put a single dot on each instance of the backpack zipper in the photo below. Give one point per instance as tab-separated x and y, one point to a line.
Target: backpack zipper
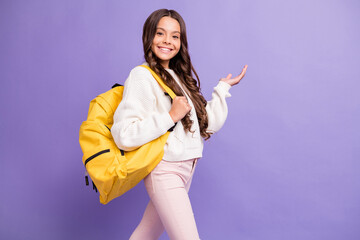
95	155
88	160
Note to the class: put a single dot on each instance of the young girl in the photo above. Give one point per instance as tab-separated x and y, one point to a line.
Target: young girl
145	113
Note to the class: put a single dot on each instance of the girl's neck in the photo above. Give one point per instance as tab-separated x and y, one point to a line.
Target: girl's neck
165	64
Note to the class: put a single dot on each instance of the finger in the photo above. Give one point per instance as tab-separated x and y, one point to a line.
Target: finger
229	76
241	75
178	98
181	98
245	68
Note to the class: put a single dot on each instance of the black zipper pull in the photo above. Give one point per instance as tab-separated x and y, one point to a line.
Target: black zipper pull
94	187
86	178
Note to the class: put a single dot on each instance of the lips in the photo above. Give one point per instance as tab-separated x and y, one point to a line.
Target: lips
165	50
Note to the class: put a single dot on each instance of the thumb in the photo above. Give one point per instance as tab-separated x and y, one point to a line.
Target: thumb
228	76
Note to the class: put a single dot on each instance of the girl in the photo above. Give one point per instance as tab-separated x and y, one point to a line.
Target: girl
145	113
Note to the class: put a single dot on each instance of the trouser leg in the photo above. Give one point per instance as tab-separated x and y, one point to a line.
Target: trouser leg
178	215
150	227
167	187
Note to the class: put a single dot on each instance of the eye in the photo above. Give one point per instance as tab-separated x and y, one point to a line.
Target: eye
159	33
176	37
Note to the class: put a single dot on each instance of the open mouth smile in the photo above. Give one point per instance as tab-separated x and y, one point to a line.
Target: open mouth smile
165	50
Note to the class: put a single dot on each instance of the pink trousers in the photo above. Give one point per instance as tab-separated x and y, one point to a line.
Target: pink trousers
169	207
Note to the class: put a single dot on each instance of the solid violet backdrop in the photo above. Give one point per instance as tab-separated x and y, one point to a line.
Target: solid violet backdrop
284	166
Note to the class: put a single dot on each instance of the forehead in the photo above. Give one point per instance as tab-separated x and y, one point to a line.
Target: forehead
169	24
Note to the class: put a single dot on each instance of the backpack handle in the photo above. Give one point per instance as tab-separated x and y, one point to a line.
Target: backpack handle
160	81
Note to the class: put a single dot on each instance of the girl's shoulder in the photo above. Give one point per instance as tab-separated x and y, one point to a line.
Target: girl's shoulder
140	71
141	77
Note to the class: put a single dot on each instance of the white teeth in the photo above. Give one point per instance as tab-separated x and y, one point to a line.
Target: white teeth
165	49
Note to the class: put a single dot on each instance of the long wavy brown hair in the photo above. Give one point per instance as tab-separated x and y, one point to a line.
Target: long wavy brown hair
180	64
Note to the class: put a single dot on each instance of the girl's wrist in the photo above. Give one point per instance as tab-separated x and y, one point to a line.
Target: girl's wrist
172	117
225	84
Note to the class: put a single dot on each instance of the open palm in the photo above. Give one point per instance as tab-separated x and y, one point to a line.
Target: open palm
235	80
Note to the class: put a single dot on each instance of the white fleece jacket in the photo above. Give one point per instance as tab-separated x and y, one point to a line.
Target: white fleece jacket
143	115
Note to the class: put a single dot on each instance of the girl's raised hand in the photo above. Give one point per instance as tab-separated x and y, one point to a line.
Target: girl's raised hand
235	80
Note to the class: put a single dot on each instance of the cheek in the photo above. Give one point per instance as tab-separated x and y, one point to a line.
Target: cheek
178	46
154	42
153	46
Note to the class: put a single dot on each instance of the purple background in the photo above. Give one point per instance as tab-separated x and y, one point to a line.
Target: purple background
284	166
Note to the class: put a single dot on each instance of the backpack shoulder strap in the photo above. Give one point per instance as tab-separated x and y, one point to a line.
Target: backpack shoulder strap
160	81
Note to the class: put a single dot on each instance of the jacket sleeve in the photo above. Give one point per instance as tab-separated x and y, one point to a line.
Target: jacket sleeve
137	119
217	108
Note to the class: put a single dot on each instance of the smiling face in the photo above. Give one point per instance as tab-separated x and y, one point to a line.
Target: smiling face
166	43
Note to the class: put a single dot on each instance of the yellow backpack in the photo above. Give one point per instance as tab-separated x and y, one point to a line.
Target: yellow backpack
114	171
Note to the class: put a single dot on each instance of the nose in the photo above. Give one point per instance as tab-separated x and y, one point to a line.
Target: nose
167	39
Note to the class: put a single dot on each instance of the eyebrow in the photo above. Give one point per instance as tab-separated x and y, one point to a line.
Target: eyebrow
165	30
